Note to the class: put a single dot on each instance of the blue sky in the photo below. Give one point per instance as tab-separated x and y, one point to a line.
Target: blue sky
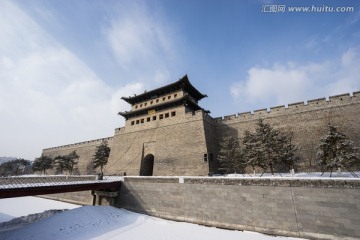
64	65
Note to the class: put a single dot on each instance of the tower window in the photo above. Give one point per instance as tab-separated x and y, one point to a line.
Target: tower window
161	116
205	157
148	119
175	95
166	115
173	114
169	97
132	122
154	118
142	120
137	121
140	105
157	100
151	102
164	99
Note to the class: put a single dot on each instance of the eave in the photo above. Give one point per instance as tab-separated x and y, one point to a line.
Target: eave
185	101
182	84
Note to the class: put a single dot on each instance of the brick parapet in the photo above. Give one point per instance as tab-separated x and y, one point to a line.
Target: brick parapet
345	183
79	144
152	179
180	118
293	108
307	208
46	179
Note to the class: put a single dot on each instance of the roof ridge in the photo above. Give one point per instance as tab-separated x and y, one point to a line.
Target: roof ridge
181	83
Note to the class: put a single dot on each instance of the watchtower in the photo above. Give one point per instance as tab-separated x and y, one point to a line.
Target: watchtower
164	133
162	103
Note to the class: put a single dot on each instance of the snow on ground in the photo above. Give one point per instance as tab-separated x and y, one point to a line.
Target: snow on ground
300	175
105	222
11	208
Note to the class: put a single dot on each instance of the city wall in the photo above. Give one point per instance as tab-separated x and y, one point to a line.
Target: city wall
177	143
306	208
314	209
85	150
79	198
307	120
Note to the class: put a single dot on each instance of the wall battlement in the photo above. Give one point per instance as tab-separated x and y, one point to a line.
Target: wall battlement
85	143
310	105
119	130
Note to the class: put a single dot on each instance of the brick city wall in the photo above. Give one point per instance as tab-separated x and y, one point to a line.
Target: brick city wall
314	209
306	120
79	198
85	150
179	143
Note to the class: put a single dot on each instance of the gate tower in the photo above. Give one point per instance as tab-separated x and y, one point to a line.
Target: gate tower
164	133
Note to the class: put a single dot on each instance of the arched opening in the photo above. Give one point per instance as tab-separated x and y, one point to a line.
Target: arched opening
147	165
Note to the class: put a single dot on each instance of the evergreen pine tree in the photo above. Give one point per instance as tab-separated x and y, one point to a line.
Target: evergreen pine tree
288	158
42	163
66	162
229	156
14	167
59	163
335	151
268	148
71	161
100	158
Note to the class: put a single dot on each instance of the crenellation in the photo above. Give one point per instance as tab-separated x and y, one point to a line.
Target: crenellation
218	119
318	100
119	130
278	108
229	117
245	115
315	103
261	112
296	106
340	99
80	143
356	94
193	114
341	95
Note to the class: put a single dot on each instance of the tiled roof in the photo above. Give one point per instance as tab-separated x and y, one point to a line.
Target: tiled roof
182	83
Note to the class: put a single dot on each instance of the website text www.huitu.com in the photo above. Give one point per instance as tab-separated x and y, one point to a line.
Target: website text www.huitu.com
306	9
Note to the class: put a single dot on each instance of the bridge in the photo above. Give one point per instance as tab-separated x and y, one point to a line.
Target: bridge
41	185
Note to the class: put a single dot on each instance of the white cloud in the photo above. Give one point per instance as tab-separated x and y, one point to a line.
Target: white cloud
142	43
125	91
48	96
291	82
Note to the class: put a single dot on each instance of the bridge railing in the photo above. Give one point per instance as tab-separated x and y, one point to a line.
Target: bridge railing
37	181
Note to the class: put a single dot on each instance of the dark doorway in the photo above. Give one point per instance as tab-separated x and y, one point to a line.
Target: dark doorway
147	165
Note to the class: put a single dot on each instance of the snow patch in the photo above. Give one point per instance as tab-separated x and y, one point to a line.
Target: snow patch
106	222
31	218
11	208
